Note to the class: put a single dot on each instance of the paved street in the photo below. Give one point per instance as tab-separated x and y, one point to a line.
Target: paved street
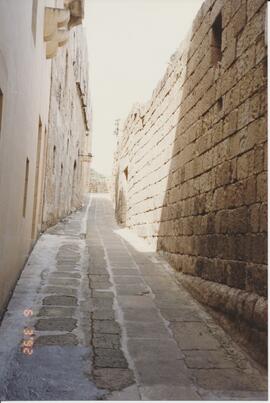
96	315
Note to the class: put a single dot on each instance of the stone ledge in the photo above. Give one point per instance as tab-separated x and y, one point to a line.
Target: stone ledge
238	303
242	314
58	22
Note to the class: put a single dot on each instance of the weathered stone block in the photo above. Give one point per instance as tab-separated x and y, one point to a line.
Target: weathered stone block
198	187
239	19
262	187
254	218
253	6
229	55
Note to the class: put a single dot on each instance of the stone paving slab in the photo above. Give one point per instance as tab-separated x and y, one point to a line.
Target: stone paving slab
229	379
168	339
56	312
125	272
45	346
141	302
132	289
208	359
168	372
111	322
169	392
148	315
119	280
113	378
147	330
194	336
110	358
103	314
151	349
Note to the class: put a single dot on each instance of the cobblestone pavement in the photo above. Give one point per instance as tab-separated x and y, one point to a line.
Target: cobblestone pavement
109	321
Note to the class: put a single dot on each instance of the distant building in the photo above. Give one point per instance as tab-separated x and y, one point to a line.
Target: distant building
99	183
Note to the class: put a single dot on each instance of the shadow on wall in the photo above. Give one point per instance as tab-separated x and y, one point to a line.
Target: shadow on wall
213	220
120	199
197	182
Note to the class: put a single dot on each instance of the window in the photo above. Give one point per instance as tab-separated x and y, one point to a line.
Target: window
25	186
220	104
126	173
216	40
37	179
1	108
54	158
59	95
66	72
34	19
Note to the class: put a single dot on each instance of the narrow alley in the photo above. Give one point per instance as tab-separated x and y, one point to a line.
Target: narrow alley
96	315
133	200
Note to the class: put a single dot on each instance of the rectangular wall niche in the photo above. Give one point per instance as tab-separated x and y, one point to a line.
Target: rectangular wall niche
1	109
126	173
26	177
216	40
34	19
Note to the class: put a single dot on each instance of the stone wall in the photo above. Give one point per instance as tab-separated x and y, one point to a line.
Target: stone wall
69	137
24	100
191	165
31	34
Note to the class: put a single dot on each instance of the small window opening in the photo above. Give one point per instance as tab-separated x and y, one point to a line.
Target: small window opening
216	40
1	108
126	173
59	96
220	104
34	19
26	178
54	158
67	145
66	72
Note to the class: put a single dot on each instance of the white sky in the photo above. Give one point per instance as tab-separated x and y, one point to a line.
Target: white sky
130	43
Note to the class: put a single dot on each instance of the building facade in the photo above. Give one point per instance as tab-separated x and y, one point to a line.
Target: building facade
32	32
69	144
99	183
191	166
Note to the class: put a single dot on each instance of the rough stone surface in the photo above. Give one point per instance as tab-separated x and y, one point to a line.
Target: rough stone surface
113	378
103	340
68	163
58	312
164	392
60	300
127	350
108	358
61	324
57	340
207	359
190	166
194	336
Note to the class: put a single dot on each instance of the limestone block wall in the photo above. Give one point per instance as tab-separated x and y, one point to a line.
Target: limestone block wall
69	131
191	164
